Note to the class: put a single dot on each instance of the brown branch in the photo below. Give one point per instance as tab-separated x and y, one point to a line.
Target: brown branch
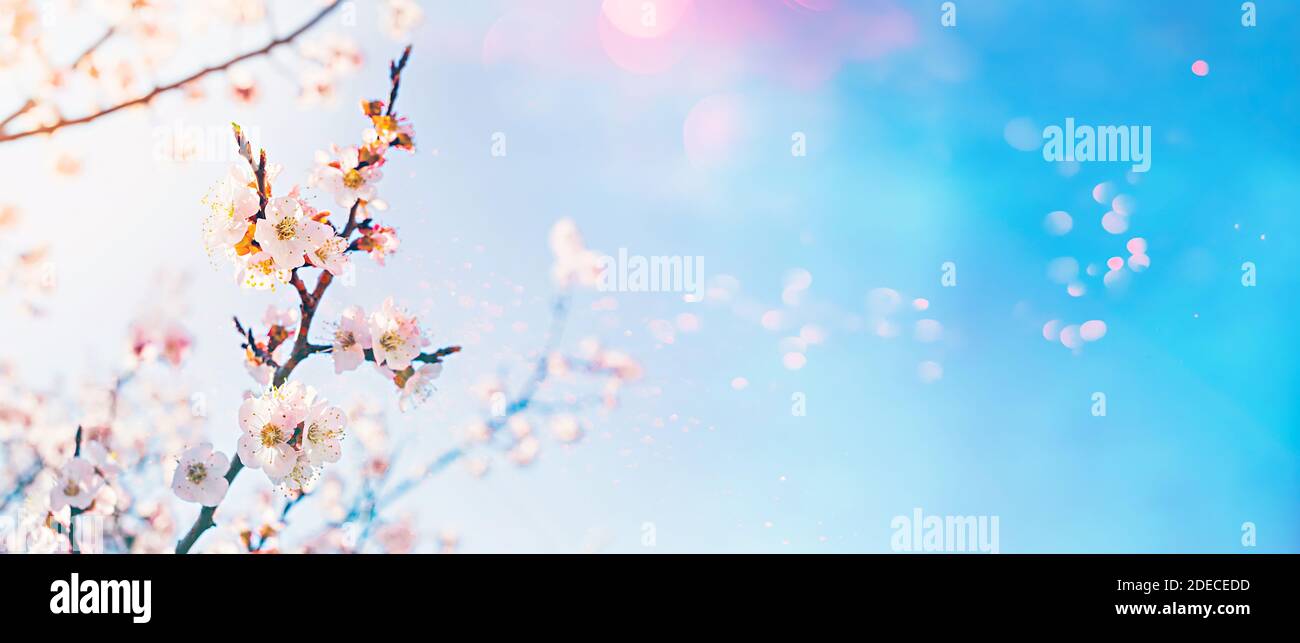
395	75
162	89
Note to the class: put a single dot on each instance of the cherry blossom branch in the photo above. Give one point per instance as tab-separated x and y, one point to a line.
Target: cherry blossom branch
162	89
309	301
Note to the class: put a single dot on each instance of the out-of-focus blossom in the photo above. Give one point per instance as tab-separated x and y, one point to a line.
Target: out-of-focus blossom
400	17
565	428
396	537
154	338
77	485
574	263
418	385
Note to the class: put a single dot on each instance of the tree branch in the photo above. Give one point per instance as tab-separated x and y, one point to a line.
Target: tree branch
31	102
162	89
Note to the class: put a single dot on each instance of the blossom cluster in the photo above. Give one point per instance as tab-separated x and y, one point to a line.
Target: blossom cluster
391	338
290	434
267	237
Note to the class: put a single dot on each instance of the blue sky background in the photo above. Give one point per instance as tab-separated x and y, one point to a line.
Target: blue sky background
907	168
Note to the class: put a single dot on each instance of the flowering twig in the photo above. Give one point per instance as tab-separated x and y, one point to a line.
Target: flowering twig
160	89
309	300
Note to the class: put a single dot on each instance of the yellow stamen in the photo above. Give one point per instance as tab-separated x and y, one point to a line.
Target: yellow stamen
271	435
344	339
391	341
286	229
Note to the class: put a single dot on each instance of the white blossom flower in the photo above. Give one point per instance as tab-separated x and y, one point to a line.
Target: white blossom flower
301	476
343	179
76	486
395	336
287	233
321	433
419	386
258	271
200	475
232	203
332	255
269	423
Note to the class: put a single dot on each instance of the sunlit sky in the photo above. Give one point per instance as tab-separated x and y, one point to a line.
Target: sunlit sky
678	142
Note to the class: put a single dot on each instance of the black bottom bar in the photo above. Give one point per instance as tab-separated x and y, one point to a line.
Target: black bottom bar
1139	591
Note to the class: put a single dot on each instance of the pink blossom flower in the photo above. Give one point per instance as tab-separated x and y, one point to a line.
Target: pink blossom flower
77	485
200	475
151	339
396	537
395	336
351	340
379	242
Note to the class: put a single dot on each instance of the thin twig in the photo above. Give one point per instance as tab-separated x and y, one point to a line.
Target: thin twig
162	89
74	511
367	503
